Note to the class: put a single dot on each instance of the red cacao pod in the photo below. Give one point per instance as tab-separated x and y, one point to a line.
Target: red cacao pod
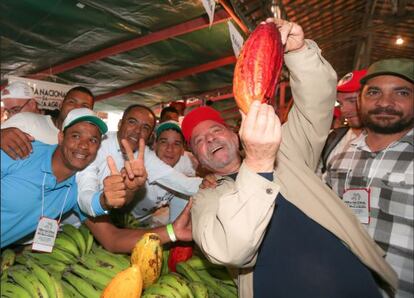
258	66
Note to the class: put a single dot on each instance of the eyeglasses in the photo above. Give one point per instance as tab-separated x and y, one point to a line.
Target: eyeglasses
16	109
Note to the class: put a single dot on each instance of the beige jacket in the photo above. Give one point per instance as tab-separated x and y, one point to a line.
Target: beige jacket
229	222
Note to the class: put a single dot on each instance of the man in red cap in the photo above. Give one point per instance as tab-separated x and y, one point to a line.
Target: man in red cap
347	95
270	217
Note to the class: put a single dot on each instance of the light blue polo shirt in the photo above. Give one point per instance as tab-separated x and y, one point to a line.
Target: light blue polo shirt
21	193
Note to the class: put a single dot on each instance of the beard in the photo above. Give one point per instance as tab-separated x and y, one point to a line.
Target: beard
386	127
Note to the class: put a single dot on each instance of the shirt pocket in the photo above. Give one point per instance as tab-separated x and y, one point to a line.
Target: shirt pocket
337	181
398	194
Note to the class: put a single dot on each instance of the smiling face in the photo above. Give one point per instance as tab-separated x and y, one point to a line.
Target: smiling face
386	104
135	124
216	147
79	145
14	106
169	147
74	100
348	105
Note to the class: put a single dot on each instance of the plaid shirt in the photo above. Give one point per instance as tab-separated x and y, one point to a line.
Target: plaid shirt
391	224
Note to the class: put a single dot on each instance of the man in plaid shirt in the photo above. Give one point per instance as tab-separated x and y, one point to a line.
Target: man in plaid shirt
374	173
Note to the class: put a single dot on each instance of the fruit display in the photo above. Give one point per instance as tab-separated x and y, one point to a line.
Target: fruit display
79	267
258	66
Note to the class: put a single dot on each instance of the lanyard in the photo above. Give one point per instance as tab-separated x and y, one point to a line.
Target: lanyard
43	198
346	186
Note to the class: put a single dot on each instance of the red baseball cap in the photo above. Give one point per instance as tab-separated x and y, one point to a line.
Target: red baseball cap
195	117
350	81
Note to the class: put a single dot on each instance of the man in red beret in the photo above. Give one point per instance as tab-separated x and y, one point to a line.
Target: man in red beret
347	95
270	217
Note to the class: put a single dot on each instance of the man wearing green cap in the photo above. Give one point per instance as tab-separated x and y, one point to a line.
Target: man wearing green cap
42	187
374	174
168	147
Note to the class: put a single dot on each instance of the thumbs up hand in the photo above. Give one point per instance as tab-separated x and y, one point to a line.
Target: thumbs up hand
114	189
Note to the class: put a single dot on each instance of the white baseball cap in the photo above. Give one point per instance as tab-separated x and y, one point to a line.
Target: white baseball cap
84	114
17	90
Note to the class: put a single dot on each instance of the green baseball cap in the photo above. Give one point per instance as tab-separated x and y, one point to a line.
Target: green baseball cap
174	125
400	67
81	115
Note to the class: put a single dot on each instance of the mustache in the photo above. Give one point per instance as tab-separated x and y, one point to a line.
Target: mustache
385	111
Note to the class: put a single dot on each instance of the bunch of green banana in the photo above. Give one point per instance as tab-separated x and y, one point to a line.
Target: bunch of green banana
117	259
75	268
23	277
67	243
195	278
52	285
77	237
84	288
164	267
87	235
12	290
199	289
97	279
125	219
93	262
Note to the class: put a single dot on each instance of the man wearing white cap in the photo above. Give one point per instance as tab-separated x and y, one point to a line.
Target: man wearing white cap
18	97
43	185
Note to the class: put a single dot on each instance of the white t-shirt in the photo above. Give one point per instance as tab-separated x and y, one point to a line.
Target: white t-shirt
39	126
90	180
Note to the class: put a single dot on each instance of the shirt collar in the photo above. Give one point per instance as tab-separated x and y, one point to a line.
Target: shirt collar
408	137
360	140
46	166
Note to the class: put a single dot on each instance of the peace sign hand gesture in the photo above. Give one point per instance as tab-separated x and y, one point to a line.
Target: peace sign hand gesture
134	172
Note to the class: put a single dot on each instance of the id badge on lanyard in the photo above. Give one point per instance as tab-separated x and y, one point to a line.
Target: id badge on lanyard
358	199
47	228
45	235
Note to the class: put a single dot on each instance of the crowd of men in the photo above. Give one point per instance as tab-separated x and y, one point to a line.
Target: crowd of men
264	213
